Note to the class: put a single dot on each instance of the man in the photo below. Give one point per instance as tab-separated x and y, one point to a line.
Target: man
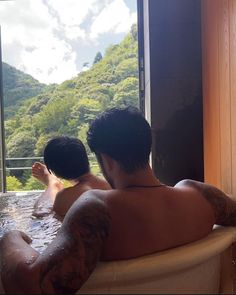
65	157
138	217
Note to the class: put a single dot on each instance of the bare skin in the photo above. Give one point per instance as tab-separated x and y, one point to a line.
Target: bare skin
58	198
68	261
224	206
139	217
164	216
44	204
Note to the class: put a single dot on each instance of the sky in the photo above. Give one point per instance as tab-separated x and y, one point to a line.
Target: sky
52	39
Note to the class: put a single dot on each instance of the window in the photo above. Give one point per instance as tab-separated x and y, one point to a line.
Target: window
63	63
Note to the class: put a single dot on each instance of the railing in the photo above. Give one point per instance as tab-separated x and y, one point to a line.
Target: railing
21	168
93	165
31	158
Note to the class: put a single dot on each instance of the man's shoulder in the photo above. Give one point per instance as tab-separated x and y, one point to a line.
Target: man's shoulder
189	183
204	188
91	204
224	207
98	194
93	197
198	186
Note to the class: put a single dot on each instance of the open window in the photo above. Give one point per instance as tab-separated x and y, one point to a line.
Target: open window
63	64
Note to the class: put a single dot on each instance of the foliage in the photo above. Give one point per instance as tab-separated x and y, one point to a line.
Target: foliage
95	169
41	142
134	31
21	144
18	86
66	183
97	58
13	184
126	93
33	184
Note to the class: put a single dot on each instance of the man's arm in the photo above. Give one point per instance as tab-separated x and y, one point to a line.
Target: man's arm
13	248
224	207
68	261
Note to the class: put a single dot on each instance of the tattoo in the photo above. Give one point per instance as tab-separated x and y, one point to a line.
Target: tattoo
224	207
81	239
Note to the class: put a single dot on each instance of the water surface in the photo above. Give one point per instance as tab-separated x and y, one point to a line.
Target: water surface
16	213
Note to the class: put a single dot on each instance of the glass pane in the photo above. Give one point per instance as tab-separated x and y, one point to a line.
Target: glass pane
64	63
2	143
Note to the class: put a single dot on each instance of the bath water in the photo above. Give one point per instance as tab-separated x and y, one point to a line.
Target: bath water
16	213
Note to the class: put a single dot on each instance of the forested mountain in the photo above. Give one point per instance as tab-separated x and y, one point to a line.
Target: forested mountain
68	108
18	86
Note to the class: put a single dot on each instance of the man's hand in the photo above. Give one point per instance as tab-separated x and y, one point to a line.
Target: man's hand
15	256
15	233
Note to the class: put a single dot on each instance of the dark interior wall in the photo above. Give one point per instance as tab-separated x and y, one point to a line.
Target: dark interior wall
172	51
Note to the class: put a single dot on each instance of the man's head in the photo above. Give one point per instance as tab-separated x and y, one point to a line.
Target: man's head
66	157
124	135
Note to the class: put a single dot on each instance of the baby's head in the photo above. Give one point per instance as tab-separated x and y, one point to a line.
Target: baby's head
66	157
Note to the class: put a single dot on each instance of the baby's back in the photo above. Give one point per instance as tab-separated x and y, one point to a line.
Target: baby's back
65	198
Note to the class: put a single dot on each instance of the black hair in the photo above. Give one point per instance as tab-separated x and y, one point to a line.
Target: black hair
66	157
124	135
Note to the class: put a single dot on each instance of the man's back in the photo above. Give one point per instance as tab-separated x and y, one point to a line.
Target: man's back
147	220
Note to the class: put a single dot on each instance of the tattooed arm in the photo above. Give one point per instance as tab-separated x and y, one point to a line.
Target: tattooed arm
224	207
67	262
14	249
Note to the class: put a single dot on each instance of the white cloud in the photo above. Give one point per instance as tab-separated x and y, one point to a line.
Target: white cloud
115	17
71	15
72	12
40	36
28	27
51	62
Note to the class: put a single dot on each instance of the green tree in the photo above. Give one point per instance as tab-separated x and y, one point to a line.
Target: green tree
82	135
134	31
13	184
41	143
87	109
127	68
97	58
17	87
127	93
21	144
54	116
86	64
33	184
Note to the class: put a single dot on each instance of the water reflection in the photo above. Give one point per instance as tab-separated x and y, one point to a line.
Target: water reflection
16	213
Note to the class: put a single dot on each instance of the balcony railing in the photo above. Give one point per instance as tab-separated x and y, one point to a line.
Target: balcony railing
13	167
8	168
23	167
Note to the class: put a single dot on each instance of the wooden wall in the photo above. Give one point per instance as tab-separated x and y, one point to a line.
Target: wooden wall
219	92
